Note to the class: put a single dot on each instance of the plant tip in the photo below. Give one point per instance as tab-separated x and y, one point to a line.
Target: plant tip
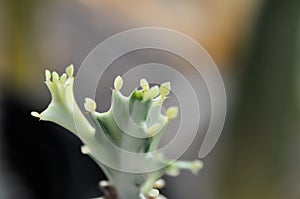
172	113
48	75
35	114
153	193
70	70
165	89
85	150
90	105
118	84
144	84
152	93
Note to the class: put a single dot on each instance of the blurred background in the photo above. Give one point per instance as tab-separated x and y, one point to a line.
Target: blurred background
255	43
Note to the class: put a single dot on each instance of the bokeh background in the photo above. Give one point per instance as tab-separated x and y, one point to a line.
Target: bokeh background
255	43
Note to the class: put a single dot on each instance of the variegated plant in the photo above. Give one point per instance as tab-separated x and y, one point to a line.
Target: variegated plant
133	123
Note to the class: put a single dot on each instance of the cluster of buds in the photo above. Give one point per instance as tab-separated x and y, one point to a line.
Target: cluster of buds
134	124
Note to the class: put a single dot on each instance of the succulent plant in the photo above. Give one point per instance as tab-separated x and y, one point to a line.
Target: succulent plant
133	124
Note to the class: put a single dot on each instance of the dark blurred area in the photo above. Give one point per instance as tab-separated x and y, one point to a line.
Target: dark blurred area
256	45
44	156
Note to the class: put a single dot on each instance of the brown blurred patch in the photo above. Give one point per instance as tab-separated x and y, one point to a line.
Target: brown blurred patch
219	25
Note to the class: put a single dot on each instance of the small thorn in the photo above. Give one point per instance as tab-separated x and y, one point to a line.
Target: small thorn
55	77
90	105
161	183
172	113
35	114
152	93
165	89
144	84
118	83
104	183
196	166
63	78
153	193
48	75
85	150
108	189
70	70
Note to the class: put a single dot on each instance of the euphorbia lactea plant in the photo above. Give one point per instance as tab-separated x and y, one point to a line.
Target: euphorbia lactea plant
139	114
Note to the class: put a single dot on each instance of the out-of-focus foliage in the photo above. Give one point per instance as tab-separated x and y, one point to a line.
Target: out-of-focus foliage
263	161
